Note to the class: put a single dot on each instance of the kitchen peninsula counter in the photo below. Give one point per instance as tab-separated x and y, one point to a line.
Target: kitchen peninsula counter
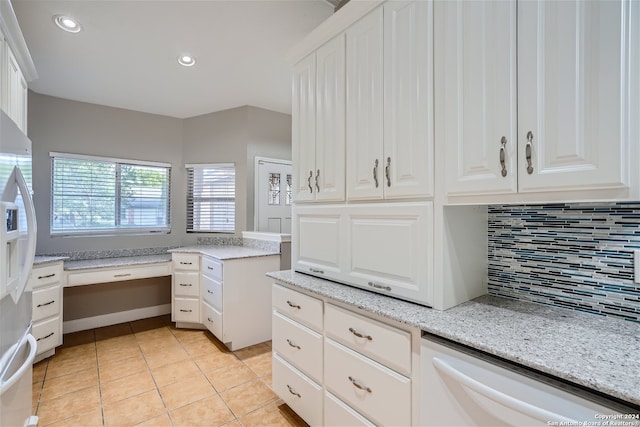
597	352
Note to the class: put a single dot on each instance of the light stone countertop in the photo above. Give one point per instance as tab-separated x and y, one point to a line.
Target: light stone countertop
600	353
41	260
116	262
225	252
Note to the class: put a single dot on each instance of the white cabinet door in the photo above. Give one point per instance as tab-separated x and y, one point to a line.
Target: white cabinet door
572	94
389	249
304	129
478	76
408	99
330	118
319	245
365	163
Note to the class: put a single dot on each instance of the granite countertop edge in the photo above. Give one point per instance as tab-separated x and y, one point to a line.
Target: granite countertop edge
225	252
593	351
42	260
115	262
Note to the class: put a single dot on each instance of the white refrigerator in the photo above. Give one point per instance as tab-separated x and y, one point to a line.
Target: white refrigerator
17	250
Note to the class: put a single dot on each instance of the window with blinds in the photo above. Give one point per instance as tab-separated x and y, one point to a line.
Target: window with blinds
95	195
211	198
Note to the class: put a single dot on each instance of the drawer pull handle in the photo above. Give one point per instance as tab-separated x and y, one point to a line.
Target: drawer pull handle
210	291
210	319
292	344
209	267
47	276
292	391
122	275
377	286
185	284
359	335
46	303
185	311
315	270
186	263
292	305
46	336
359	386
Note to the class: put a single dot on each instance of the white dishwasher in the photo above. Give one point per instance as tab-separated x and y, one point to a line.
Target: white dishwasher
463	387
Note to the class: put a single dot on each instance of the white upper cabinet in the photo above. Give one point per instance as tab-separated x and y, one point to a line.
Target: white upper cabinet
390	103
572	90
365	108
318	124
553	120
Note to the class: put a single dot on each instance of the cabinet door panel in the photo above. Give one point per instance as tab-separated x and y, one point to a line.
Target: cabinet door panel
573	82
365	108
479	99
330	134
389	249
304	129
408	99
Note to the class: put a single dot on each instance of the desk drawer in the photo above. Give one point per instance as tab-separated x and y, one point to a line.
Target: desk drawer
305	309
212	268
212	292
187	310
46	302
46	275
117	274
186	284
183	261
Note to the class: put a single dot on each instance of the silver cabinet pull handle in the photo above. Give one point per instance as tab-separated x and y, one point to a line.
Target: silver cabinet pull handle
47	276
375	172
122	275
46	336
186	263
210	291
292	391
209	267
185	311
210	319
528	152
387	171
358	385
359	335
292	344
377	286
309	181
292	305
185	284
503	156
315	270
317	184
46	303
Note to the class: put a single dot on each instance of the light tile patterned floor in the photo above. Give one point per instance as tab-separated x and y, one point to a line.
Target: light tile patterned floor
149	373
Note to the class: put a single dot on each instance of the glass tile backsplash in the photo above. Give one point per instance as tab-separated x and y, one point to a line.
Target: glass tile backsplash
578	256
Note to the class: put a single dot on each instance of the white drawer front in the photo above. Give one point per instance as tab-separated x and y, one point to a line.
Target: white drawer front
186	261
47	334
212	268
46	303
212	292
117	274
339	414
187	310
303	308
298	344
186	284
302	394
377	392
386	344
46	275
212	319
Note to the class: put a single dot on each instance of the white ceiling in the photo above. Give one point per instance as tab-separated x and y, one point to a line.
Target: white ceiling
126	55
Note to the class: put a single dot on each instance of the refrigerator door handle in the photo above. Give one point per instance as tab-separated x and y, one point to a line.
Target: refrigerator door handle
33	345
10	194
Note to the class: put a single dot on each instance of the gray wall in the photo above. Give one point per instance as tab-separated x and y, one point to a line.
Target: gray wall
231	136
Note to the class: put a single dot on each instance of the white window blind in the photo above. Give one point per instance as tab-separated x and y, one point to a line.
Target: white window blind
211	198
93	195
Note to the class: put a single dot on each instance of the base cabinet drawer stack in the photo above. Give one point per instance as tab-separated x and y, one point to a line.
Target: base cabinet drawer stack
46	282
185	283
357	369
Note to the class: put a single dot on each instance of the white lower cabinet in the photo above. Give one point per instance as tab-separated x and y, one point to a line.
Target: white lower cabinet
364	379
46	282
385	247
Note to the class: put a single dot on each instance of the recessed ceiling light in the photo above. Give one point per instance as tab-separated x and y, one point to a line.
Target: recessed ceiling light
186	60
67	23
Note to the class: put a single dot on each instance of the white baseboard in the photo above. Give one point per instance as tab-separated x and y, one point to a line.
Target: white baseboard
114	318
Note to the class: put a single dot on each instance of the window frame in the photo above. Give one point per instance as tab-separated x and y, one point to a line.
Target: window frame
117	229
191	198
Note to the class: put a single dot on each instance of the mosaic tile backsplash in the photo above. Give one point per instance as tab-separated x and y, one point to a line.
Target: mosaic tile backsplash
576	256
